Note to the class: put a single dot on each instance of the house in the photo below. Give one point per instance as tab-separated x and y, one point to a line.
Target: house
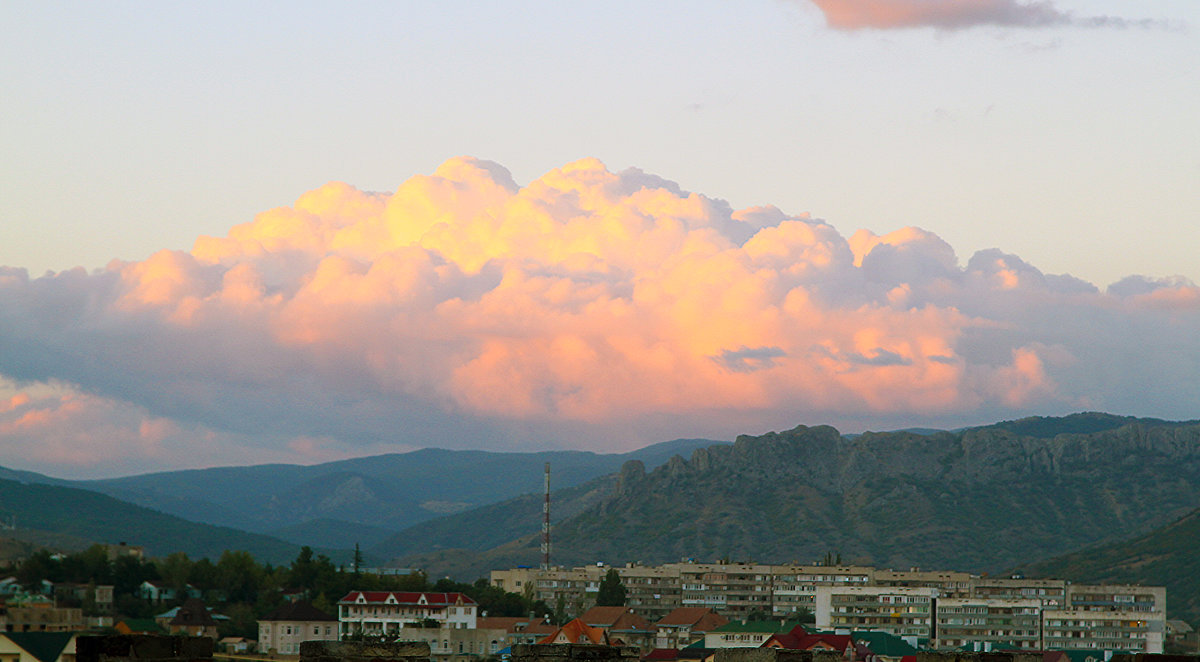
79	594
577	632
236	645
160	592
139	626
685	625
884	647
282	630
802	640
386	612
746	634
623	624
192	619
37	646
37	613
517	629
448	644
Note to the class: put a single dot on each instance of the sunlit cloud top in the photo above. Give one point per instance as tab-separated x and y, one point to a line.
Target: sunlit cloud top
587	308
960	14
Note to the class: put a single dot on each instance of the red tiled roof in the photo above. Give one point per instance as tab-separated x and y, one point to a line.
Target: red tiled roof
661	655
511	623
699	618
407	598
615	618
577	632
800	639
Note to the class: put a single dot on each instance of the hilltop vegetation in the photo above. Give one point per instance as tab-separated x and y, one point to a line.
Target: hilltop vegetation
1168	556
71	519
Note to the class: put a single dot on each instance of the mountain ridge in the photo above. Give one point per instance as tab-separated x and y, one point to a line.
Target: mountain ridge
980	499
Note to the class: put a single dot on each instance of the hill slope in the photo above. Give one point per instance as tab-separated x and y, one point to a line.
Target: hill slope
388	492
1168	556
71	514
982	499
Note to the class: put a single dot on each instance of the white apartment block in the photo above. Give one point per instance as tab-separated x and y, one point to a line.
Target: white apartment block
1137	631
1116	597
899	610
968	609
1051	592
977	622
386	612
948	584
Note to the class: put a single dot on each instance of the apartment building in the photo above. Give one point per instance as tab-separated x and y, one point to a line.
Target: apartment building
976	622
903	611
653	591
1117	597
386	612
1052	593
794	588
942	605
732	589
1081	629
948	584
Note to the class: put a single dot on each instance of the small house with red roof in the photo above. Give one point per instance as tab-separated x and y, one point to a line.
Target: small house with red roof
801	640
387	612
517	629
686	625
578	632
621	623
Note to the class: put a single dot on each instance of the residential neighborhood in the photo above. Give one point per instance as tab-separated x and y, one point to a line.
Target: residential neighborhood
679	611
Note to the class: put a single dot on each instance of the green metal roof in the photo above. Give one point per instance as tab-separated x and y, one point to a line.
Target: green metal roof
884	643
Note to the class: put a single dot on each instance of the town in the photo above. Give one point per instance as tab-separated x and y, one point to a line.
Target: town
686	611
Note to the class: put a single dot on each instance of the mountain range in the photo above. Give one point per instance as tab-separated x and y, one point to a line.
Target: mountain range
982	499
329	506
986	499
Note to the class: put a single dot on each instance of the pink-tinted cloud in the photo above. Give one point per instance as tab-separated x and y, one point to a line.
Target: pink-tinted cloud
959	14
607	309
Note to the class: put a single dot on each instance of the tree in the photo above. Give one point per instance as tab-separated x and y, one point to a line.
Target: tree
612	591
240	576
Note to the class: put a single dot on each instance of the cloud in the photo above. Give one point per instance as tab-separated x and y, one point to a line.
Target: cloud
749	359
960	14
608	309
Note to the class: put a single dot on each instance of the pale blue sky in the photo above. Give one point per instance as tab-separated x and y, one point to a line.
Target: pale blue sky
131	127
127	128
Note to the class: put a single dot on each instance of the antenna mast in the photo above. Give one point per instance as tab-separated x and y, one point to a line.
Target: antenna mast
546	523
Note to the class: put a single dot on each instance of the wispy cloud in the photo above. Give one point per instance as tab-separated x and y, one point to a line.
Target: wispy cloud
961	14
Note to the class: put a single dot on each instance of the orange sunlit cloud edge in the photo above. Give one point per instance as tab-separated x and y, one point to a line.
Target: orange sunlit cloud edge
586	309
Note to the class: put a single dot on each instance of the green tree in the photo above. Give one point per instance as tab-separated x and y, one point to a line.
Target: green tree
612	591
175	570
39	566
240	576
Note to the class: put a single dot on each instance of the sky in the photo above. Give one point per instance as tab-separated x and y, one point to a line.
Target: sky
298	232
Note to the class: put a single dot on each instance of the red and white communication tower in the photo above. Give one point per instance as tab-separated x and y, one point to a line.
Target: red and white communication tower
546	523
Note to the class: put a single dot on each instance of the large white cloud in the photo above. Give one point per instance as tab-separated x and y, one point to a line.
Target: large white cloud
588	308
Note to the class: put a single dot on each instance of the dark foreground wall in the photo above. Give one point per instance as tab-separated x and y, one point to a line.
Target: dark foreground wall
573	653
143	648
